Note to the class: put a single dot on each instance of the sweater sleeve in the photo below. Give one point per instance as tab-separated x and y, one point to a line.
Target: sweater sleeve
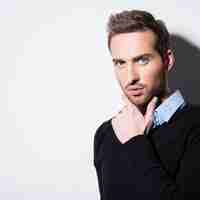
151	178
99	180
98	140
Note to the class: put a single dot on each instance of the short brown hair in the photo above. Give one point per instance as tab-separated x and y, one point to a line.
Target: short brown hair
139	20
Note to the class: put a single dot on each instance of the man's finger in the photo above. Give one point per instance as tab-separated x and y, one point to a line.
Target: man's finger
150	109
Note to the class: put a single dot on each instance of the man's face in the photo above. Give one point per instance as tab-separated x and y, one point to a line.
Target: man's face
138	64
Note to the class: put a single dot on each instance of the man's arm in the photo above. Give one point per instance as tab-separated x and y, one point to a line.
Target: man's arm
151	178
99	180
98	140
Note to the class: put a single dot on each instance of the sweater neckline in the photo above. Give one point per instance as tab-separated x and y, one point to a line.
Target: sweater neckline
173	118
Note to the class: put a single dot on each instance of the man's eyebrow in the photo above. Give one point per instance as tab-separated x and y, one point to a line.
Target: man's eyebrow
117	59
135	59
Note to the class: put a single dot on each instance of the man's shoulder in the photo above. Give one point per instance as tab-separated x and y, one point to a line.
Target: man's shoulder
192	121
194	106
102	129
190	112
99	136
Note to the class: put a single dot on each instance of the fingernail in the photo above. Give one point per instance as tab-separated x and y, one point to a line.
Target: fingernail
155	99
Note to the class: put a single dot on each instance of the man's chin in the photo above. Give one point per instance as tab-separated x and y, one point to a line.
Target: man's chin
141	102
138	100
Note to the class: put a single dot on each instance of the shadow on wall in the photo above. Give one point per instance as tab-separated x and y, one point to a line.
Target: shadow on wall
185	75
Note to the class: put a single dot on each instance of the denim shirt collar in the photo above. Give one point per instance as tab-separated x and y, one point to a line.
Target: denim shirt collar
165	110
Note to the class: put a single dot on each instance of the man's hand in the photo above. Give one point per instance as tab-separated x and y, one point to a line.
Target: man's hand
130	122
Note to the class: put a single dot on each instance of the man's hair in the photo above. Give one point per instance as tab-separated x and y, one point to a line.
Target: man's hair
136	21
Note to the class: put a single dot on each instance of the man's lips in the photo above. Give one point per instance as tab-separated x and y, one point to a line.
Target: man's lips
134	87
136	92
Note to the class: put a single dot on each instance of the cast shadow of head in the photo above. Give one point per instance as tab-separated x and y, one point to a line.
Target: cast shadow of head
184	75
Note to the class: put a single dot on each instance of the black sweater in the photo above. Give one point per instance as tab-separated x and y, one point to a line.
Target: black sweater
163	165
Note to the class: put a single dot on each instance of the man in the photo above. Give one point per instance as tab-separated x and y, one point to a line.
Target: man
149	149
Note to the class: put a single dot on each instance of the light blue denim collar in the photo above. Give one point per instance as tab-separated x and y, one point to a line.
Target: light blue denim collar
167	108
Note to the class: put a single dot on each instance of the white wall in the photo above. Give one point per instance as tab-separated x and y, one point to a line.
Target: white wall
57	86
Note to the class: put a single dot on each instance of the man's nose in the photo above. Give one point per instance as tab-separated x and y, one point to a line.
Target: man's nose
133	73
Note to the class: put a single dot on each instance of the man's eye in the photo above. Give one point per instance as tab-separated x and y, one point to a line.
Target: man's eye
143	61
119	63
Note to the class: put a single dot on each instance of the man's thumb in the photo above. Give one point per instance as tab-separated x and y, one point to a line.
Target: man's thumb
150	110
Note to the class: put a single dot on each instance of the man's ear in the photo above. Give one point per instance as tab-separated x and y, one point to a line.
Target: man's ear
169	59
